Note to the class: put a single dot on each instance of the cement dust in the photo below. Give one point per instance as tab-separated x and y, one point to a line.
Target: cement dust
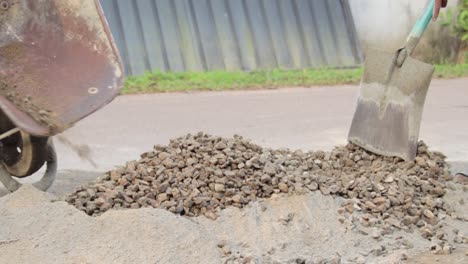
83	151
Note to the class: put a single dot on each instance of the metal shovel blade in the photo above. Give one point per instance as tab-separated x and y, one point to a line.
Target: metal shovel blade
390	105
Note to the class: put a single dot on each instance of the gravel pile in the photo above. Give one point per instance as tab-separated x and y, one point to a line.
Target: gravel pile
203	174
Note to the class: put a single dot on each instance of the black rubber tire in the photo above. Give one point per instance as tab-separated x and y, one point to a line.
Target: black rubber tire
31	158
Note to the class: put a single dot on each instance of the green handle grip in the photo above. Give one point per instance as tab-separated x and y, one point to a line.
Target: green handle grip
420	26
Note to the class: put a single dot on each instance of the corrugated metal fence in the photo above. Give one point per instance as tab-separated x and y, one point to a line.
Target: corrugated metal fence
201	35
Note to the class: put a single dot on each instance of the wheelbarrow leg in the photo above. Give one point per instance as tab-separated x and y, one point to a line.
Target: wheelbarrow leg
51	171
44	183
8	181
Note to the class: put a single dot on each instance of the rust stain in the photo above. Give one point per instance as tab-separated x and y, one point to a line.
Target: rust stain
15	54
61	51
26	104
11	51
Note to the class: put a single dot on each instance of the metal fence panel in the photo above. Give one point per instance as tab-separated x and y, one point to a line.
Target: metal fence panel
207	35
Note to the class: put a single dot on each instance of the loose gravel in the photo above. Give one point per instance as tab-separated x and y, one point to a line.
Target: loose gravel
203	174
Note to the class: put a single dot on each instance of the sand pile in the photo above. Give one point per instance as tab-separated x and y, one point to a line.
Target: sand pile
343	206
203	174
36	228
283	229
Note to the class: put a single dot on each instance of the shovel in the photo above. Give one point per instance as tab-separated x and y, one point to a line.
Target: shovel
392	95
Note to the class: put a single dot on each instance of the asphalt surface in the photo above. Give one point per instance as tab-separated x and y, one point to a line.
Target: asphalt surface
295	118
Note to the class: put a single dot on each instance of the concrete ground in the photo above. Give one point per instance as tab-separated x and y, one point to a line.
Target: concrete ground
296	118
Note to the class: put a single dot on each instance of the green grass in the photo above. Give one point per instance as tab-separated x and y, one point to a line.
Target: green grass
157	82
451	71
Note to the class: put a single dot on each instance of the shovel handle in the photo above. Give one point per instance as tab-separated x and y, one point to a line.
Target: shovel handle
419	27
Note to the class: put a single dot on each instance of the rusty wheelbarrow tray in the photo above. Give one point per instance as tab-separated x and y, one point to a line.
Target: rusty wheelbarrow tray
58	64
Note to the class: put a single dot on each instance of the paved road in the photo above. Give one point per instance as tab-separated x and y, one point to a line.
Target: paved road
305	118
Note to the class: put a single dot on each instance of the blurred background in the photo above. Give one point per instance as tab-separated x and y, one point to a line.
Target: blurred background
238	35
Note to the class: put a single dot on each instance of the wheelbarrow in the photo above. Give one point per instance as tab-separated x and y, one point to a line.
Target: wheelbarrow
58	65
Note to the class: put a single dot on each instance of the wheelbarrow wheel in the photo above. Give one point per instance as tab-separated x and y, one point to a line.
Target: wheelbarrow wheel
23	154
47	179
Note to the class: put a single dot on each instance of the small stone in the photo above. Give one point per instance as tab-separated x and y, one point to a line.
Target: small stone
428	213
341	219
389	179
90	208
447	249
219	187
283	187
379	200
191	161
458	239
341	210
163	155
376	234
420	161
269	169
246	190
436	249
286	219
427	232
409	220
349	208
105	207
313	186
100	201
265	178
408	244
175	193
325	190
163	187
432	164
162	197
438	191
237	198
227	251
114	175
370	204
378	251
441	235
334	260
360	260
221	145
334	189
442	249
211	215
